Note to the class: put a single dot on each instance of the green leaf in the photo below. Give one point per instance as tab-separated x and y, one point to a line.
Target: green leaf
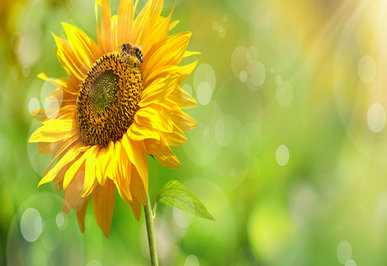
175	194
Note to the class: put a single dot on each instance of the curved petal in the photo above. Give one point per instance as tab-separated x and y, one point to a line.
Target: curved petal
90	176
181	71
125	22
182	120
155	119
73	169
159	90
137	187
81	212
67	158
136	208
47	132
182	98
105	25
136	153
68	59
163	153
169	53
103	204
73	193
84	48
138	133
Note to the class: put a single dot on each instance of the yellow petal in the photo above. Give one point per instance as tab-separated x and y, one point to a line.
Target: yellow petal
106	158
58	180
44	148
182	98
98	167
137	187
125	22
103	204
83	47
122	180
112	170
182	120
169	53
190	53
68	59
63	84
136	153
81	211
105	24
113	35
90	179
123	185
73	169
72	194
181	71
159	90
174	138
136	208
138	133
162	152
151	118
66	159
173	24
154	29
58	148
48	132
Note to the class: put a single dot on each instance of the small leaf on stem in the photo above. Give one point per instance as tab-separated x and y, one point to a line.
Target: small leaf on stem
175	194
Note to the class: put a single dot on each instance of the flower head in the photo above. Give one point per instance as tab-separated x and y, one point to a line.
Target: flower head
121	101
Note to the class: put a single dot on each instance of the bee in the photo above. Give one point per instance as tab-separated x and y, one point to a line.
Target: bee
129	50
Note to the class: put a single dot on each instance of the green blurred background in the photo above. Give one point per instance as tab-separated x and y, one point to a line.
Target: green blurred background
289	152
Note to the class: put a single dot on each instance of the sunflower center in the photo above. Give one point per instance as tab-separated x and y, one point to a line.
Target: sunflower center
103	91
108	99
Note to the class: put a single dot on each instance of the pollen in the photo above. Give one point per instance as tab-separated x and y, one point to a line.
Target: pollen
108	99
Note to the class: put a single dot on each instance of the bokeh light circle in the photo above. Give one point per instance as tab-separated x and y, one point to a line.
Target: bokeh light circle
344	251
38	161
257	73
204	73
239	60
376	117
224	130
350	262
181	218
61	221
35	239
282	155
31	225
51	107
204	93
284	94
46	90
34	106
366	69
243	76
191	260
187	88
94	263
278	80
201	146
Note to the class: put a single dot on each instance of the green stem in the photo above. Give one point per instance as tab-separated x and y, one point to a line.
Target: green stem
151	232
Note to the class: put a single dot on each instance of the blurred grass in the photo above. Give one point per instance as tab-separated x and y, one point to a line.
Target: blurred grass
331	189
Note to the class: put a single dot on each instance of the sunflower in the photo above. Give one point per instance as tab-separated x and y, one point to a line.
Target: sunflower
121	101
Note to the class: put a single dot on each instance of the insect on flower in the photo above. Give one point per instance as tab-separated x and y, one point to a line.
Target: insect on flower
128	50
